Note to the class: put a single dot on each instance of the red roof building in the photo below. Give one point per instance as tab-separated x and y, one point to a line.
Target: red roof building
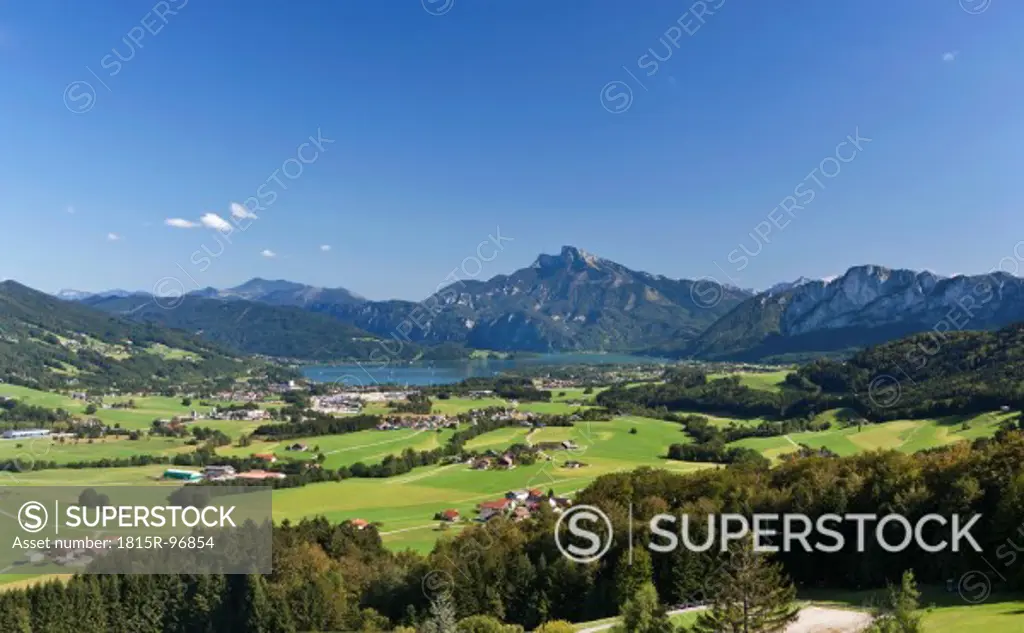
501	504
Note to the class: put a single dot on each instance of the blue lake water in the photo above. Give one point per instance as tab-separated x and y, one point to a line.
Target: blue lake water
447	372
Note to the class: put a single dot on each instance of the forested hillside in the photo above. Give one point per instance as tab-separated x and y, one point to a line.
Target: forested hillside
48	343
257	328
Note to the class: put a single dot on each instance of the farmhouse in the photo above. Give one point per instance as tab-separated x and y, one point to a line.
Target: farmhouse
359	524
499	506
451	516
297	447
270	458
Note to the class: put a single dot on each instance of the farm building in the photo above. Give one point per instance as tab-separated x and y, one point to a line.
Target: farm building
219	472
182	475
23	433
259	474
500	505
359	524
451	516
267	457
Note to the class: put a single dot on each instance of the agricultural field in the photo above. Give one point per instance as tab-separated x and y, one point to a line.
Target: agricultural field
147	408
454	406
32	450
766	381
907	436
405	506
127	476
369	447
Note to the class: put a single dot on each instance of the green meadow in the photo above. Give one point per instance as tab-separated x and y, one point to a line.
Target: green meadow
405	506
147	408
127	476
907	436
766	381
27	451
369	447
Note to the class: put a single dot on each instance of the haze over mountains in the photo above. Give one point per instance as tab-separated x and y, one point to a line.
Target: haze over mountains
577	301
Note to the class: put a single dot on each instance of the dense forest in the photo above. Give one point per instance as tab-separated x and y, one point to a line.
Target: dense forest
338	578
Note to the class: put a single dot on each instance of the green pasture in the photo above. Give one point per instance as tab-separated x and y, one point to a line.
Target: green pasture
369	447
147	409
31	450
405	506
127	476
907	436
766	381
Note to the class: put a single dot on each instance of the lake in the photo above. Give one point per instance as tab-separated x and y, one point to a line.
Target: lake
448	372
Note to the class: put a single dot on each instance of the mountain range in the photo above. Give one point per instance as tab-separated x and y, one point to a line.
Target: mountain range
49	343
577	301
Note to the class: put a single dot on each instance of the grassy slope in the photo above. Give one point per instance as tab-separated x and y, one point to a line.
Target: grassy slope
405	505
767	381
903	435
148	408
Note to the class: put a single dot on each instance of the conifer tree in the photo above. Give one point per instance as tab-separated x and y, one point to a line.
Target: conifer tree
442	615
643	613
748	595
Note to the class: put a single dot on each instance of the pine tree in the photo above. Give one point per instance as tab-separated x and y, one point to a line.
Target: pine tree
630	575
254	607
901	613
442	615
14	613
748	595
643	612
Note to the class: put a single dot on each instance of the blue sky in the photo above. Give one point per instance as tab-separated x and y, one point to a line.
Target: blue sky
503	114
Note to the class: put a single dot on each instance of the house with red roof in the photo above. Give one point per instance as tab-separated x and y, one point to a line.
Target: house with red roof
500	505
451	516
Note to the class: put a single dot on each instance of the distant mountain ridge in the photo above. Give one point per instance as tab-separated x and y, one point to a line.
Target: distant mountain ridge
253	327
577	301
46	342
570	301
282	292
865	306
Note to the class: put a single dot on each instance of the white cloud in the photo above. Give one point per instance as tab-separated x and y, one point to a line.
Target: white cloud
214	221
325	247
113	237
268	253
950	56
180	223
239	212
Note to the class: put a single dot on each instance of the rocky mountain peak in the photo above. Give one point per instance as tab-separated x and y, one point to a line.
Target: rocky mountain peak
570	258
